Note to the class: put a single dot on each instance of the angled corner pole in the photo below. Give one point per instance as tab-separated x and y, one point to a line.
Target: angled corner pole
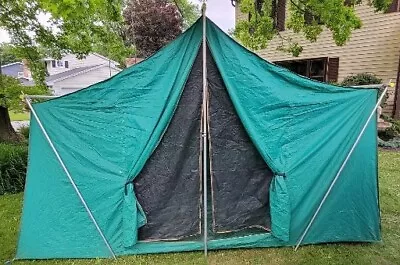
204	129
39	97
340	169
27	100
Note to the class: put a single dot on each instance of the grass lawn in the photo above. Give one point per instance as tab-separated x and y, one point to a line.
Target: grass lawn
385	252
19	116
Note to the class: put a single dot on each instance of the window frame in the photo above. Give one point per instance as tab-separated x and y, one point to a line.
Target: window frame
278	13
58	64
394	7
309	62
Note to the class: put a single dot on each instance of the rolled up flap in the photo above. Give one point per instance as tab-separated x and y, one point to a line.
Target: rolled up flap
280	208
133	217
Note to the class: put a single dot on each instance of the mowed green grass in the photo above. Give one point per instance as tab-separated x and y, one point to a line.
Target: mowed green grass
19	116
385	252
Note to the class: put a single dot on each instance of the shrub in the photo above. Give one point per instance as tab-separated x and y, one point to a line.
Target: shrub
361	79
391	132
13	162
25	132
365	79
392	144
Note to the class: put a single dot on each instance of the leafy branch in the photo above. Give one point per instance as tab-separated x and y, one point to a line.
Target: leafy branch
337	16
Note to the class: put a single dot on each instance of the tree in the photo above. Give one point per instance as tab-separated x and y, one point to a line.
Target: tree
190	12
10	93
307	17
150	24
8	86
7	54
73	26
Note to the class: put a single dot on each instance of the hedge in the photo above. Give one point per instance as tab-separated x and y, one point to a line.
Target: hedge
391	144
13	162
361	79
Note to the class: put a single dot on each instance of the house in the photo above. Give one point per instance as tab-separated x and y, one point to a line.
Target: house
70	74
67	75
133	60
18	70
375	48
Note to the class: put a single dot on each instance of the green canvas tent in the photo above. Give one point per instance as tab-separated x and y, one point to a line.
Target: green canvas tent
118	168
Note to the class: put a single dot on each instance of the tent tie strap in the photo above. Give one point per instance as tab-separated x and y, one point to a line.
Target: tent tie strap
126	186
280	174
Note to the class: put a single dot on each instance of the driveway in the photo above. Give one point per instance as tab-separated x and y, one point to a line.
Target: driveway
19	124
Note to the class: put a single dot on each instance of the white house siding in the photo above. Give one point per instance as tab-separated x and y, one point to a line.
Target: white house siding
74	62
83	80
375	48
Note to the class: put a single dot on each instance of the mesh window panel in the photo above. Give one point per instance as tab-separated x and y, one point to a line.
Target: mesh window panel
168	188
240	178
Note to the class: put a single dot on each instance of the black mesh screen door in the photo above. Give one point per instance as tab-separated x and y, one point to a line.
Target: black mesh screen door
240	178
169	186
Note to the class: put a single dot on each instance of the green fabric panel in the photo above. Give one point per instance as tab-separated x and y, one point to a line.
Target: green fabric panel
279	208
105	134
313	175
302	128
54	223
351	212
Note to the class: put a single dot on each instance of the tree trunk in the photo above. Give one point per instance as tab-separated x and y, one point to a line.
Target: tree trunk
7	132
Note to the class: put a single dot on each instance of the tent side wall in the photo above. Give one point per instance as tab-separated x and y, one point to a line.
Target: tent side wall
351	212
54	223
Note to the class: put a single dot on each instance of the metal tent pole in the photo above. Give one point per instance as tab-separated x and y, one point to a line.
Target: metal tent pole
39	97
340	169
204	131
69	177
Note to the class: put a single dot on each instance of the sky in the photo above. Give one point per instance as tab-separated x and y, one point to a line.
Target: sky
4	36
219	11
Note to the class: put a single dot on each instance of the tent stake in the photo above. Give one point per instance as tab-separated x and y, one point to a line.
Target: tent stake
340	170
204	132
69	177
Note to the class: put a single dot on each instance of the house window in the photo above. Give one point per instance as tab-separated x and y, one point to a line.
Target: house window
278	12
59	64
258	8
349	3
320	69
259	4
394	7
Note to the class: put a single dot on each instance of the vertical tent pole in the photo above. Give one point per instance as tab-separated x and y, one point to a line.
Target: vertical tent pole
69	177
204	131
341	169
